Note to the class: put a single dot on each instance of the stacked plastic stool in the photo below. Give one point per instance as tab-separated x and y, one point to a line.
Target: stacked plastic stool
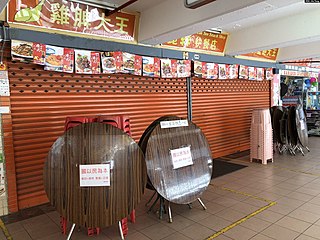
119	121
261	144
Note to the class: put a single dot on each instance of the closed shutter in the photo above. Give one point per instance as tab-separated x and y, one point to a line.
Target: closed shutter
222	109
41	100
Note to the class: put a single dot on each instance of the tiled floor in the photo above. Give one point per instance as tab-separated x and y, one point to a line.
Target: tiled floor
244	197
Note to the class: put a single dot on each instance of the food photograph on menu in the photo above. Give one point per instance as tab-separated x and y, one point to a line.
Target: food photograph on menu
183	68
168	68
243	72
151	66
54	57
260	74
197	65
87	62
223	73
269	74
39	53
233	71
252	73
108	61
128	61
212	71
21	50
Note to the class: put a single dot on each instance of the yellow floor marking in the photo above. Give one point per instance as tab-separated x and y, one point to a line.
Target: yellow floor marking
5	230
270	204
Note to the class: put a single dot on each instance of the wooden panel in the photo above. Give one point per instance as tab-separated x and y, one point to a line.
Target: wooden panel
41	100
95	143
222	109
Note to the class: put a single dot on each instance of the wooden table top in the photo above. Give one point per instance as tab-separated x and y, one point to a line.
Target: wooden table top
184	184
94	143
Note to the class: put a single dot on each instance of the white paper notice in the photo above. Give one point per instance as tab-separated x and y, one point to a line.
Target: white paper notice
4	84
94	175
181	157
174	123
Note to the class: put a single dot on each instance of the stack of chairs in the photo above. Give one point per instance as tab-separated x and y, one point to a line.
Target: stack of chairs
287	136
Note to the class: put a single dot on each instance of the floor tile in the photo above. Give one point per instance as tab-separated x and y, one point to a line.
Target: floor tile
256	224
179	222
231	215
261	237
278	232
304	215
305	237
313	231
176	236
197	232
240	233
270	216
215	222
293	224
157	231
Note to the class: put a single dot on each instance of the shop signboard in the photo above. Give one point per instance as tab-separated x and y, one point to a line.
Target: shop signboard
207	42
71	16
268	55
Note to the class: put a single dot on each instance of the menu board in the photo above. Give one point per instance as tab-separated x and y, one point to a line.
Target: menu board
243	72
151	67
168	68
87	62
252	73
183	68
233	71
223	71
269	74
260	74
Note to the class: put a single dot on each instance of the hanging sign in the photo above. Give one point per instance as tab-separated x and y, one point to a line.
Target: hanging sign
71	16
243	72
269	55
233	71
59	59
204	41
269	74
181	157
94	175
168	68
87	62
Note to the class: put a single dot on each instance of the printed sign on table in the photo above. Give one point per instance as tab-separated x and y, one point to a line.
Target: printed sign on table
94	175
151	66
181	157
168	68
174	123
243	72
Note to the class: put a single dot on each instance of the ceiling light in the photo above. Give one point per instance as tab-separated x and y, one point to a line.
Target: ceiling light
196	3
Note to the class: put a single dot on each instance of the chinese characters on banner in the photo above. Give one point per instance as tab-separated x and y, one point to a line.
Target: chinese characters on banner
270	54
94	175
205	41
181	157
72	16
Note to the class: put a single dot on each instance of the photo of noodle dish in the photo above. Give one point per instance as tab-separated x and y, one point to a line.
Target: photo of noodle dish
22	49
109	63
